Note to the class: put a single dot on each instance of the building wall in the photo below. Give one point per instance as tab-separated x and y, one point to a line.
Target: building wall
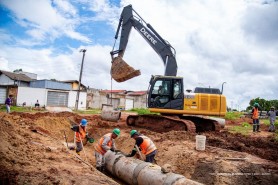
95	99
31	95
48	84
75	86
81	102
139	101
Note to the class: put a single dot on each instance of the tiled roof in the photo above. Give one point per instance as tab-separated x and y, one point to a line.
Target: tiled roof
130	93
113	91
15	76
137	93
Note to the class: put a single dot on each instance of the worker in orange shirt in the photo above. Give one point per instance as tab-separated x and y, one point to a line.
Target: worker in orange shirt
104	144
255	117
80	135
144	144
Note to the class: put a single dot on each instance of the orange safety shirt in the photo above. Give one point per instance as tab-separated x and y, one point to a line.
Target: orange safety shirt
147	146
255	113
99	148
81	134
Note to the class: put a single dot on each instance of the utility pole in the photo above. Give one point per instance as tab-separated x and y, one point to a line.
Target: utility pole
80	76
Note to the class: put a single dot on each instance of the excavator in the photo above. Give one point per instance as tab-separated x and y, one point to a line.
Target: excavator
198	111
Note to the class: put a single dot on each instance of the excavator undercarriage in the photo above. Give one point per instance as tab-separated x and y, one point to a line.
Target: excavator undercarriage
162	124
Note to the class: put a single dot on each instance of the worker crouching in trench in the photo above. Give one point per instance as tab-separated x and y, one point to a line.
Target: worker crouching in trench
80	135
144	144
104	144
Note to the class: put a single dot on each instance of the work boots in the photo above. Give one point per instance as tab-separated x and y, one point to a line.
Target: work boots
258	128
254	128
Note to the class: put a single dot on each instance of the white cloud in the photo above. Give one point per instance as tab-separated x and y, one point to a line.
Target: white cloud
65	7
45	20
214	40
4	64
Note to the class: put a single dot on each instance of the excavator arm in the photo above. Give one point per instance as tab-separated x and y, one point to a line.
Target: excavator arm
129	19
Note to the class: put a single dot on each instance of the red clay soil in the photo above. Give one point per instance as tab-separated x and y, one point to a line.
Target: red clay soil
33	151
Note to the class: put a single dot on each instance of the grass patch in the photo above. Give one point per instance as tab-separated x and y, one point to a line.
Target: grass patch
89	111
142	111
243	129
267	122
15	109
233	115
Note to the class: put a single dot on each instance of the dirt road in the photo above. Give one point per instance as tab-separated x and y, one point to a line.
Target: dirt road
33	151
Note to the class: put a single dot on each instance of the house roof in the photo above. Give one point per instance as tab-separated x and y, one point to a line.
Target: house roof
137	93
72	81
130	93
113	91
15	76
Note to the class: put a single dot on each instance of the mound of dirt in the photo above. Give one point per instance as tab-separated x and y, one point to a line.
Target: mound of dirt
33	151
29	157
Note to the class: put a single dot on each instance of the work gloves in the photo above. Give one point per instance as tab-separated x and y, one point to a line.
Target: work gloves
112	149
75	128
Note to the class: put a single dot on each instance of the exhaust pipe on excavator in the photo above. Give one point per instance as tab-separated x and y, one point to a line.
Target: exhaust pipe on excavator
121	71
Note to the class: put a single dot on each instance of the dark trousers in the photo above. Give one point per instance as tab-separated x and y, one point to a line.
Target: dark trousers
150	157
256	125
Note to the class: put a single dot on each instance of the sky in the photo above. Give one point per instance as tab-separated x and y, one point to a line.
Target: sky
234	43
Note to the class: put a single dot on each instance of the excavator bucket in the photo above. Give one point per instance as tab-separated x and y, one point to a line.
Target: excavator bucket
121	71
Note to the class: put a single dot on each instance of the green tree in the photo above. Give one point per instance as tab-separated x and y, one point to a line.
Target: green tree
264	104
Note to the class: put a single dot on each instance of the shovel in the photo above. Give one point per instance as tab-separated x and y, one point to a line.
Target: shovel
66	138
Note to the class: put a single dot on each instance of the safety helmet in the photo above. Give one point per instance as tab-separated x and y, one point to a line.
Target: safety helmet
84	122
272	107
256	104
117	131
132	132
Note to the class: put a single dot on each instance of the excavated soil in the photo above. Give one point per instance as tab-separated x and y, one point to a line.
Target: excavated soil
34	151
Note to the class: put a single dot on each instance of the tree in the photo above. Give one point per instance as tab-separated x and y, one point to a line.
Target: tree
264	104
17	70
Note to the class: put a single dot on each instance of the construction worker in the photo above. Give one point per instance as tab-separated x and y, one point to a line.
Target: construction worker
255	117
104	144
80	135
145	145
272	117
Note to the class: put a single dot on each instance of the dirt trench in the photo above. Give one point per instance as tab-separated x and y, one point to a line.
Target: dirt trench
33	151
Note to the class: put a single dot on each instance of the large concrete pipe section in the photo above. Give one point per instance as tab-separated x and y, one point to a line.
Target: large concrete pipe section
109	114
137	172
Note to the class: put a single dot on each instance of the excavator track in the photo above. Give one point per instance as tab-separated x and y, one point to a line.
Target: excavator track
160	124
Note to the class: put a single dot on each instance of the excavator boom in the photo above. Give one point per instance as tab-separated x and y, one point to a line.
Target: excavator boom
178	111
129	19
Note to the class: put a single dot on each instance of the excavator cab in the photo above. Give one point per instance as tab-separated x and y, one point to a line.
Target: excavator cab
166	92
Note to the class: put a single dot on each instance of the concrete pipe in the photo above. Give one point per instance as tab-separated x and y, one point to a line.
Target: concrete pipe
137	172
107	113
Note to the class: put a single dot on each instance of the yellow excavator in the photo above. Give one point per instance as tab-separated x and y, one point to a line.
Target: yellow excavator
198	111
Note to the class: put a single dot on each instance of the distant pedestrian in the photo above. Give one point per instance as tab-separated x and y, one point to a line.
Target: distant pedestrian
80	135
272	117
8	103
37	104
255	117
